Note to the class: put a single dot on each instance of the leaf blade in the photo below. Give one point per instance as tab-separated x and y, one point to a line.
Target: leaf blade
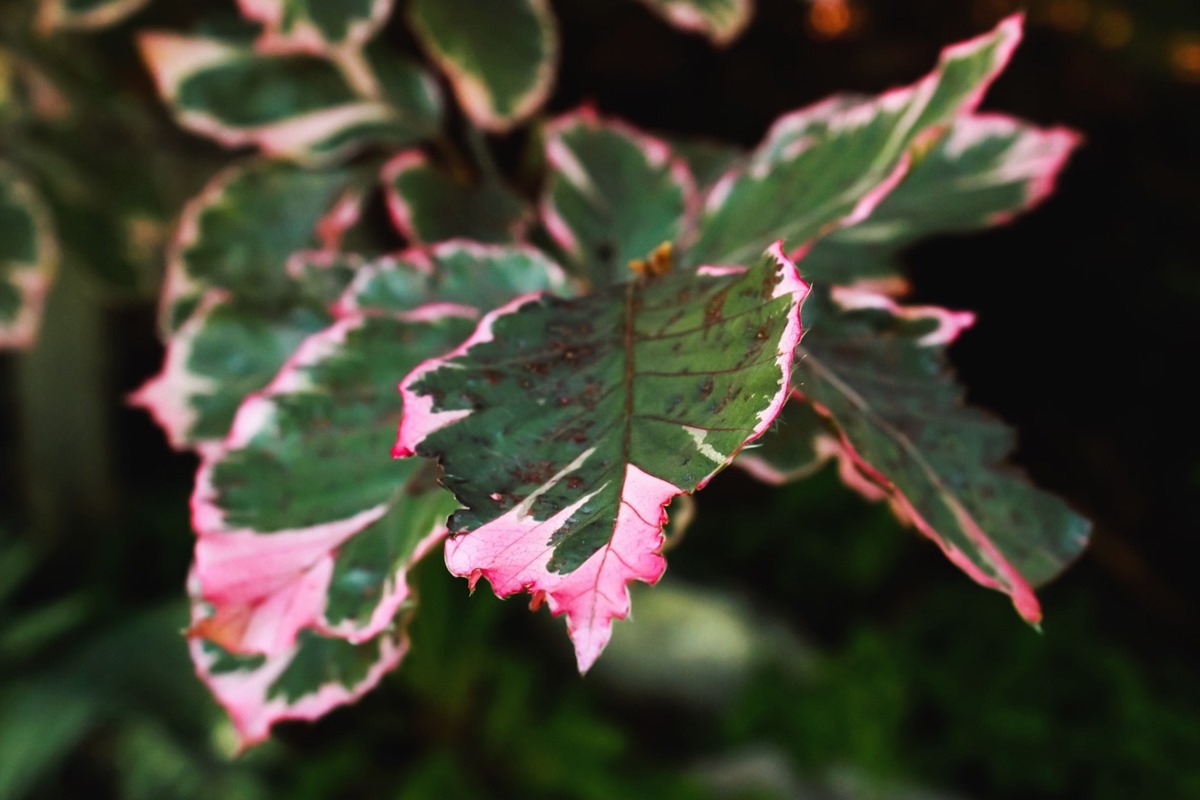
585	459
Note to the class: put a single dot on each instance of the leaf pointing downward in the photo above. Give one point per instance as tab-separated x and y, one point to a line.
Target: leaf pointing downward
566	426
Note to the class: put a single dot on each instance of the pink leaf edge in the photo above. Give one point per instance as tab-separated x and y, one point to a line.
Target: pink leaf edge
511	551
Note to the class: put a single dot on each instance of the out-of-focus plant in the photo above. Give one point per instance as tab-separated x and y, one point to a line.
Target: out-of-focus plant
579	337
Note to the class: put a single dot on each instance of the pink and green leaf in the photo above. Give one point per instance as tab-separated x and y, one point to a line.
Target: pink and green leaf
876	372
303	519
239	233
75	15
500	56
316	26
984	171
222	353
720	20
429	205
291	105
613	195
594	413
302	682
28	259
831	164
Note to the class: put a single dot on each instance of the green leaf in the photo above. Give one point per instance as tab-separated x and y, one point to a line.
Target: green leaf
303	519
28	259
566	426
429	205
240	231
291	105
317	26
720	20
500	56
74	15
305	681
613	195
831	164
984	171
876	372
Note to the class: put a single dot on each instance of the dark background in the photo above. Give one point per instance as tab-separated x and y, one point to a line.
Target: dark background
877	668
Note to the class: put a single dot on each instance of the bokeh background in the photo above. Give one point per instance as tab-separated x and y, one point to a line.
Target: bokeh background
802	645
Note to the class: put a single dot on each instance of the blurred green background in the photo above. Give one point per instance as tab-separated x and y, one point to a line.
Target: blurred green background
802	645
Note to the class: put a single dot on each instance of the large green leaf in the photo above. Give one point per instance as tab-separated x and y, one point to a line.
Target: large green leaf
429	205
28	258
984	171
832	163
613	194
876	372
290	104
500	56
566	426
719	20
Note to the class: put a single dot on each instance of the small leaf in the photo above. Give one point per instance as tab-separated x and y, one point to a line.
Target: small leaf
240	231
613	194
76	15
305	681
317	26
500	56
832	163
984	171
291	105
876	372
224	351
566	426
28	259
720	20
303	520
428	205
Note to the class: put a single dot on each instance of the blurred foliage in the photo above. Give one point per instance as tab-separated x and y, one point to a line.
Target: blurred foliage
866	666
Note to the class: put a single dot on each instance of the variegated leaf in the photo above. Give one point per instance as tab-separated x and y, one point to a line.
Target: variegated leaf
832	163
303	519
499	56
317	26
566	426
224	351
238	234
720	20
429	205
291	105
984	171
28	258
876	372
56	15
303	681
613	195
